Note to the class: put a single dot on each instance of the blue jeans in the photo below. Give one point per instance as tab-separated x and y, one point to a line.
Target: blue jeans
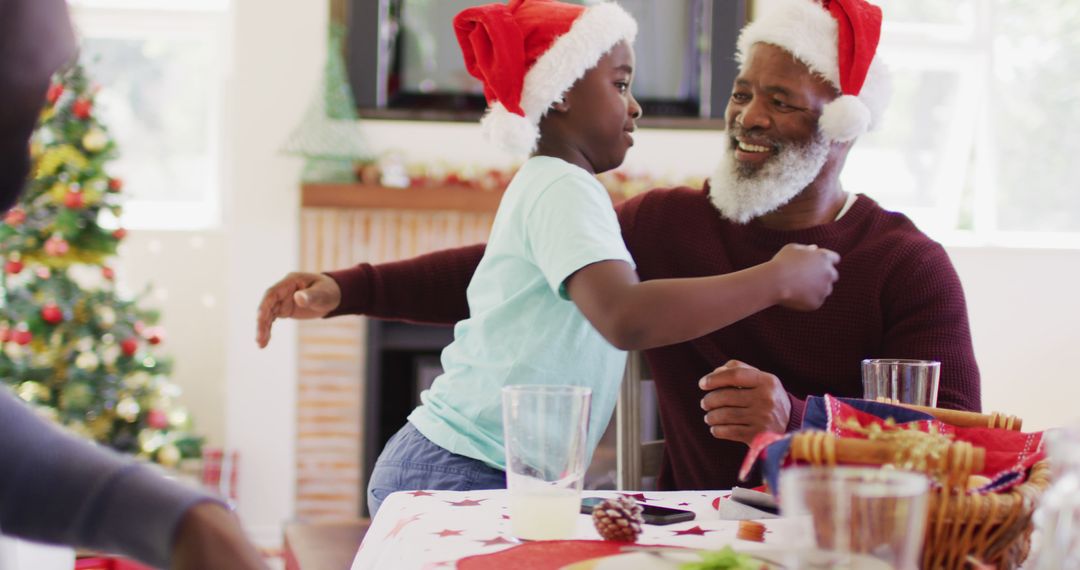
411	462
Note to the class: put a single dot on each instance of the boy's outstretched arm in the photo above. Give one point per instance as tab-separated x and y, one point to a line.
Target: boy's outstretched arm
426	289
635	315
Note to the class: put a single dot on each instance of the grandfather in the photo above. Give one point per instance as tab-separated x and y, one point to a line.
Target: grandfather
808	86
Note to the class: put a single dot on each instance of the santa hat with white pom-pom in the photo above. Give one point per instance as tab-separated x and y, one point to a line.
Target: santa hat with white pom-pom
838	40
528	53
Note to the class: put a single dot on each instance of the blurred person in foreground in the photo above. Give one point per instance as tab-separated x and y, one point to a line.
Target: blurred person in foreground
54	487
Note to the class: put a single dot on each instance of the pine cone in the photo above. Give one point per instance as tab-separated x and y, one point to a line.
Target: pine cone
618	519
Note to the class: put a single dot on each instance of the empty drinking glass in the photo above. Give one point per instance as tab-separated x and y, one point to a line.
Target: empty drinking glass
902	381
856	517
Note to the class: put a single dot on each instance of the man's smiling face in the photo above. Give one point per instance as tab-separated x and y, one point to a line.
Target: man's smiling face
774	148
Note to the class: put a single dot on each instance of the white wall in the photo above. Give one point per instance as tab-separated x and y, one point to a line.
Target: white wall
186	271
277	63
1024	309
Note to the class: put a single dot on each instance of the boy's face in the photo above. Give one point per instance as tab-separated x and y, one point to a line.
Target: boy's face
601	112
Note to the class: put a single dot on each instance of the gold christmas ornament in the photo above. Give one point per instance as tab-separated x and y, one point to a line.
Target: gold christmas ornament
87	361
106	316
128	409
178	418
14	350
31	391
109	354
137	380
168	455
95	140
150	440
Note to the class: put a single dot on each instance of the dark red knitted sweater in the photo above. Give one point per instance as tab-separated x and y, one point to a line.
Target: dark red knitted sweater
898	296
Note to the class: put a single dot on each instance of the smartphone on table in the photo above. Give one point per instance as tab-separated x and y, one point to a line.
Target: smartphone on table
652	514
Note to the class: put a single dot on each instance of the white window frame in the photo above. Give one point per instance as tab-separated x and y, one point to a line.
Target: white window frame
968	51
204	21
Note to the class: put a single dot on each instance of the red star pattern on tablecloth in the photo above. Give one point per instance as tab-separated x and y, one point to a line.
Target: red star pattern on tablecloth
443	564
466	503
447	532
401	524
697	531
506	517
639	497
495	541
684	504
421	494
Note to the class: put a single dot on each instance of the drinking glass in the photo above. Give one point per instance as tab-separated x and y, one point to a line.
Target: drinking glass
544	429
856	517
903	381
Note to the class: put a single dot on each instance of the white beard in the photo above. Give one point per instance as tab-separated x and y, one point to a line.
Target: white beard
743	196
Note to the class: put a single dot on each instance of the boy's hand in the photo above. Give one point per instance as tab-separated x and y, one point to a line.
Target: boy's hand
807	274
297	296
743	401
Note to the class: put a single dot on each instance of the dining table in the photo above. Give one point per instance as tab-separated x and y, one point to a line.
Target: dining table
471	530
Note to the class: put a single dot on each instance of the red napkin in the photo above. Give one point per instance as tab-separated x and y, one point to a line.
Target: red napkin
1009	454
544	555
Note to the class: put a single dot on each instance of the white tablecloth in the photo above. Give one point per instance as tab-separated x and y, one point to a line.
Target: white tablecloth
425	530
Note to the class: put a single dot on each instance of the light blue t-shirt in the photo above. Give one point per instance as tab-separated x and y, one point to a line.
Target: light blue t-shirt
554	219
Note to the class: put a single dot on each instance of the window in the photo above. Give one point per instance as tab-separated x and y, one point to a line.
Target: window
159	67
981	138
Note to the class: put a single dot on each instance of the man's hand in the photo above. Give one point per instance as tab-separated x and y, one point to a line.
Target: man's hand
743	401
209	536
297	296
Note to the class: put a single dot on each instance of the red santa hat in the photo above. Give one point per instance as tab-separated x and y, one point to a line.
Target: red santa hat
528	53
838	40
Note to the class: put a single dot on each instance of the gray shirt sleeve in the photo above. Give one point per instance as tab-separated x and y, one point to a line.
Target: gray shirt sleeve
57	488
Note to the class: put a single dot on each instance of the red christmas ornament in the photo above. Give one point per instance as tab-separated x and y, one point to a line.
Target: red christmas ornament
22	336
157	419
119	233
13	267
54	93
154	335
129	346
52	314
15	216
56	246
108	273
116	184
82	108
74	200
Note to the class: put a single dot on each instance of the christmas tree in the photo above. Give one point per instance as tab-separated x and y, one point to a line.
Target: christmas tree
72	346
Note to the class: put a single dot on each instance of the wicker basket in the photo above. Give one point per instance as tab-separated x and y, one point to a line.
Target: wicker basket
993	528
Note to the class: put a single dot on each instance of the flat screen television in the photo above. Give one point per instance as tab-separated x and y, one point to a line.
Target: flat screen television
403	57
